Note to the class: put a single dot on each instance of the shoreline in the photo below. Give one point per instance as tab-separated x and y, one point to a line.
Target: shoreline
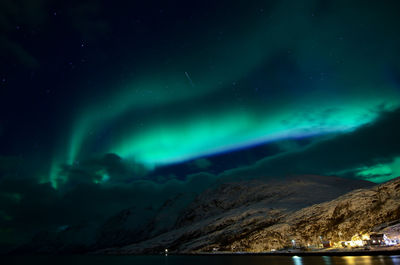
378	252
272	254
392	251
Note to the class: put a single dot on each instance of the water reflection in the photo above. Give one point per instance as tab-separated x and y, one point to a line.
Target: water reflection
350	260
297	260
367	260
327	260
201	260
395	260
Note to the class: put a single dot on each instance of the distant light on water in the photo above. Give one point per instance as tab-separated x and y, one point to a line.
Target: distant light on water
368	260
297	260
395	259
350	260
327	260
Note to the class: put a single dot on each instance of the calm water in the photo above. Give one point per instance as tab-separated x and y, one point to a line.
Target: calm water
203	260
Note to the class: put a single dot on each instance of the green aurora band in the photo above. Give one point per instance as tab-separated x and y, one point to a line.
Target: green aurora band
161	118
171	143
196	134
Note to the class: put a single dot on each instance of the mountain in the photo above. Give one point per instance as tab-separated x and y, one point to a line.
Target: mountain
248	215
358	212
292	193
255	215
77	239
135	224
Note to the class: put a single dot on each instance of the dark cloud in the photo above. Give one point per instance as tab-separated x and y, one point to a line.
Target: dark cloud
28	206
371	144
202	163
8	164
109	168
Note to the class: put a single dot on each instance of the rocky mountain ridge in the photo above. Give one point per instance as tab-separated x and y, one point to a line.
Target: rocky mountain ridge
231	216
256	215
358	212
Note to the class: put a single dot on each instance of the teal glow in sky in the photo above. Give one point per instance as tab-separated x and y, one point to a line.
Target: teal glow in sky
380	172
200	136
196	133
263	81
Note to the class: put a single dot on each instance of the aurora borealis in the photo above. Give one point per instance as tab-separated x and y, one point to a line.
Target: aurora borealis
238	112
153	98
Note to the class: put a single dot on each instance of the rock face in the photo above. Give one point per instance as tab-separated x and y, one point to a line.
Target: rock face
293	193
257	216
360	211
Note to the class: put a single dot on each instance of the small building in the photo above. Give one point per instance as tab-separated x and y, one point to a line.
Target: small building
294	243
327	244
377	239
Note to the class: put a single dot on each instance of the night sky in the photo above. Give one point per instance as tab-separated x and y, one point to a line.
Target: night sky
109	104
